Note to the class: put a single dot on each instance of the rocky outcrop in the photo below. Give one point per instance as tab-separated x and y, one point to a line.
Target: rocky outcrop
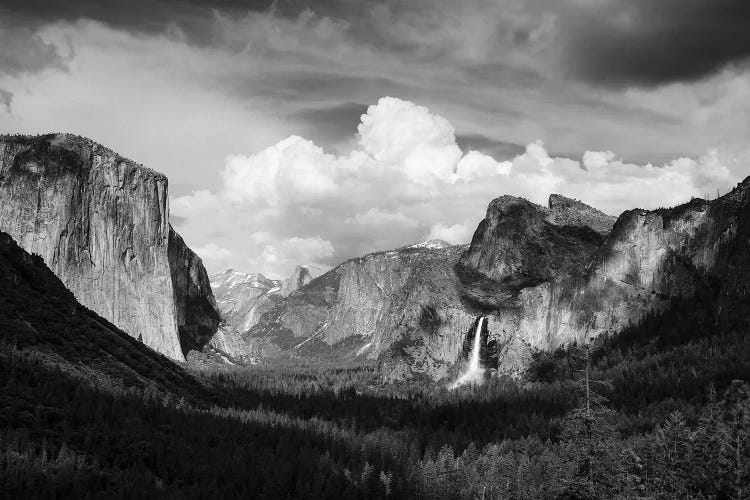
101	223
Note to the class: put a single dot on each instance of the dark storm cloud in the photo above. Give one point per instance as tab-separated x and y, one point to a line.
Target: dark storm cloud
500	150
647	43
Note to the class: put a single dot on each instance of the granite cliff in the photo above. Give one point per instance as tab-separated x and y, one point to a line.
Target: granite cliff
101	224
196	312
648	258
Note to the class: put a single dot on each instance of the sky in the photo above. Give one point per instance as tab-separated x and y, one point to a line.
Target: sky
311	132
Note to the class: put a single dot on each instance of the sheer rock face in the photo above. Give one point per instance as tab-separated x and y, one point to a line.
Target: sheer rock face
196	311
242	298
100	222
362	308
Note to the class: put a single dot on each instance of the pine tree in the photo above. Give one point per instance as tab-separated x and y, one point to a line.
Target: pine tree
704	472
735	448
591	438
673	442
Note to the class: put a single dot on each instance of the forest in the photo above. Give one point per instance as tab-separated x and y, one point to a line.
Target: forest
666	416
660	410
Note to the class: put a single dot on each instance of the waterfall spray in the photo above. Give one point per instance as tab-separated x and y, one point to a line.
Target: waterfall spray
474	372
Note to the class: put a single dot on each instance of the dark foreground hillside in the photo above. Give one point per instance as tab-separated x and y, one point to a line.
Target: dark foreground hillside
86	411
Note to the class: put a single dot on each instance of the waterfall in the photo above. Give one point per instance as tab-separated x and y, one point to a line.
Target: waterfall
474	373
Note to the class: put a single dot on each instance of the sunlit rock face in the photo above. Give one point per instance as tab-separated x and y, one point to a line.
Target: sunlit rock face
101	223
647	258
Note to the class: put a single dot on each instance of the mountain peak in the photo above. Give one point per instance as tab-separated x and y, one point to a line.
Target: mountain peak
299	278
432	244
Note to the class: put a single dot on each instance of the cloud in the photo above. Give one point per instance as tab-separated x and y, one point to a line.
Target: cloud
292	251
153	17
455	234
22	50
375	217
6	99
496	69
646	43
407	180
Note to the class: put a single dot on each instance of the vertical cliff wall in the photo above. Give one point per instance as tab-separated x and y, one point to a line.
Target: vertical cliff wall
196	312
101	223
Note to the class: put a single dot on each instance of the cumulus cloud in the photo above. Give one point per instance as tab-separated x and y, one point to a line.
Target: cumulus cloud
406	181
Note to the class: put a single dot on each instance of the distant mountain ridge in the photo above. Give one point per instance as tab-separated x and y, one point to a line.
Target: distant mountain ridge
243	297
412	307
